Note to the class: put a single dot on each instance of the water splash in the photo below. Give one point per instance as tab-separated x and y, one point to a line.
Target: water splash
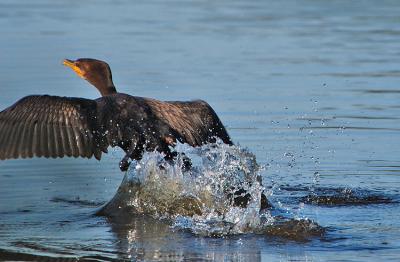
202	200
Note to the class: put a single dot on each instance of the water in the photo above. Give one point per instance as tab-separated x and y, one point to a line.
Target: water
309	87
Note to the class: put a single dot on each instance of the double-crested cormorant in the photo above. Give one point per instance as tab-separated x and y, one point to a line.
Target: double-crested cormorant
53	126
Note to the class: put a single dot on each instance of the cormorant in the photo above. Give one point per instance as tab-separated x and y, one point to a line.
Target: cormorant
54	126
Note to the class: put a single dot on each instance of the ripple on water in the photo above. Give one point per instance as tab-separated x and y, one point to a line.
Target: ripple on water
345	197
76	201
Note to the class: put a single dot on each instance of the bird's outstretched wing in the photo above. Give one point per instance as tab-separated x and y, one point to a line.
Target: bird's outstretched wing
195	121
50	126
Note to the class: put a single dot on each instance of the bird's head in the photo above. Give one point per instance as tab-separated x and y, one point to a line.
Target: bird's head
96	72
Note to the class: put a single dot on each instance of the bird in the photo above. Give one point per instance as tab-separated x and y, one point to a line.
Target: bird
54	126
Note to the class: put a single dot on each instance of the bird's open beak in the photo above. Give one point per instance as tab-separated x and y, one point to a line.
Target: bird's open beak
71	64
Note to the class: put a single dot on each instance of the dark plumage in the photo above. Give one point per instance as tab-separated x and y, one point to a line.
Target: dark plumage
52	126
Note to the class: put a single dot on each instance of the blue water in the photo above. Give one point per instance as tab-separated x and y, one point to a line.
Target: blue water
310	87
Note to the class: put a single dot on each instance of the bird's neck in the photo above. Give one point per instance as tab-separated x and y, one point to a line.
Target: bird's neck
107	90
105	86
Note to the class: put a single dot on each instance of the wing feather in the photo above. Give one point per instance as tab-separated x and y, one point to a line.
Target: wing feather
15	135
9	135
50	141
27	128
17	139
64	136
44	138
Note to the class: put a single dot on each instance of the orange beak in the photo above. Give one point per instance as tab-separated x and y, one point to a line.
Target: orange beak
71	64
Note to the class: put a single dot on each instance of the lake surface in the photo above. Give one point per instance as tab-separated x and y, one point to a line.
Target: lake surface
311	88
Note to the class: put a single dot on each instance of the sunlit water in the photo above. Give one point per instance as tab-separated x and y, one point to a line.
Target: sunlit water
308	88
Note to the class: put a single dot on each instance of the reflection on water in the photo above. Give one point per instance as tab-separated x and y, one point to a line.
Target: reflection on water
310	88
